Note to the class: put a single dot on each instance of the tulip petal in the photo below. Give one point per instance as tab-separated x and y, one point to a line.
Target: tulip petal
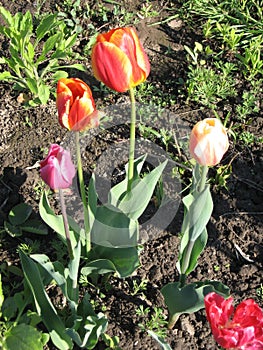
70	111
111	66
57	169
208	142
51	174
127	40
67	169
244	331
79	114
64	101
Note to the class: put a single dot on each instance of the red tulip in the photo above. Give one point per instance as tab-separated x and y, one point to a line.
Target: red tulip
57	169
75	104
119	60
208	141
240	329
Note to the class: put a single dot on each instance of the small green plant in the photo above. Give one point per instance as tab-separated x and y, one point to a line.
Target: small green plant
208	86
248	106
70	12
35	53
229	36
17	323
19	221
194	54
138	288
251	59
248	138
223	172
154	320
111	342
147	11
259	291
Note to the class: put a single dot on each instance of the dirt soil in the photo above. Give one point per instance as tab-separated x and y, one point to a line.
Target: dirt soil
234	253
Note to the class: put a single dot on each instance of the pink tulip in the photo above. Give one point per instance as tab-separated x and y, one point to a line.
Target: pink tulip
208	142
240	329
57	169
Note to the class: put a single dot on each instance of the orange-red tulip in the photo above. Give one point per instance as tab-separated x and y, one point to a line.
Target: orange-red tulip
119	60
208	141
75	104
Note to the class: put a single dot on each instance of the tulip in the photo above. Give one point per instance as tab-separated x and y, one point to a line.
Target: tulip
57	169
119	60
75	104
235	329
208	142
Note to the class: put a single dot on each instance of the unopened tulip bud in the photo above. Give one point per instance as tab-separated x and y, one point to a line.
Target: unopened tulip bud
57	169
208	142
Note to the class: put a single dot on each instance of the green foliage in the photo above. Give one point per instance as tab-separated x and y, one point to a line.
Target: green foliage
189	298
82	326
160	340
35	53
111	342
23	337
17	326
230	17
19	221
209	86
198	210
153	320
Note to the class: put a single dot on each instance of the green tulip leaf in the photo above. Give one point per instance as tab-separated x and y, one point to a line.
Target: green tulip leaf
35	226
112	228
1	295
198	210
90	330
46	25
13	231
197	248
160	341
44	307
125	260
189	298
19	214
119	190
98	267
134	202
23	337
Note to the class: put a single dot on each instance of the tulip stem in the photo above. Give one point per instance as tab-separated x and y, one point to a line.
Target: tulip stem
132	141
65	221
83	192
204	171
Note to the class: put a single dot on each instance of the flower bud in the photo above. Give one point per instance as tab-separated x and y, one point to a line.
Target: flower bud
208	142
57	169
75	104
119	60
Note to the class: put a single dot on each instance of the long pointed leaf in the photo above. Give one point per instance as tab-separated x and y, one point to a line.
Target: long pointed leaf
135	202
43	304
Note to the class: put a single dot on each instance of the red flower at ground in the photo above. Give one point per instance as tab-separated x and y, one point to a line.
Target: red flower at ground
208	141
75	104
119	60
57	169
240	329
